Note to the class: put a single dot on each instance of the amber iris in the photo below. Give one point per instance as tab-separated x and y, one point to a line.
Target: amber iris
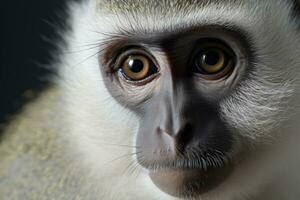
136	67
212	61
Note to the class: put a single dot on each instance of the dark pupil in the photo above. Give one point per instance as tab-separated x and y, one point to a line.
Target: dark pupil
136	65
211	57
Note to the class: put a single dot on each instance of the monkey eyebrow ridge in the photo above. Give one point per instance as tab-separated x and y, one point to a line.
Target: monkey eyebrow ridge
134	6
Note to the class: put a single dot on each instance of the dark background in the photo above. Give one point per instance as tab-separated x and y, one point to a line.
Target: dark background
27	29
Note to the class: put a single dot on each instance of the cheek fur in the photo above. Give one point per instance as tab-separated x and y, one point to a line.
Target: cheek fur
257	108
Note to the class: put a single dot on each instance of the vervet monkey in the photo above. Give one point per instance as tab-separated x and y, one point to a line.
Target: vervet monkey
165	99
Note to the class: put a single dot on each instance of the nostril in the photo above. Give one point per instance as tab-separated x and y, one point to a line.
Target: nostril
159	130
185	131
185	134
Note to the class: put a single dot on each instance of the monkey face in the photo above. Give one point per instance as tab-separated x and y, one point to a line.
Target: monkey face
176	87
205	88
188	89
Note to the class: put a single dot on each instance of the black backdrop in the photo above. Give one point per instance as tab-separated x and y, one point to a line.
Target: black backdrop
23	48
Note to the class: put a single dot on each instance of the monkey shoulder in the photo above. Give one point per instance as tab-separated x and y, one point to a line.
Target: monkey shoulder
34	163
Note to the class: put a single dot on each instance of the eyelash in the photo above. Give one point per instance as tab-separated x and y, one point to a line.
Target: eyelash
111	62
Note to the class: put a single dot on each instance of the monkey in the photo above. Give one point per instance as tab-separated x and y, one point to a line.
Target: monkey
164	99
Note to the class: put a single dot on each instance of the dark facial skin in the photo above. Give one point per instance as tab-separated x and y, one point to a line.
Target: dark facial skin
182	139
181	127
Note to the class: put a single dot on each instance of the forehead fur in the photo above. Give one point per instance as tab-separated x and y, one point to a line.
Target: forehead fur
146	6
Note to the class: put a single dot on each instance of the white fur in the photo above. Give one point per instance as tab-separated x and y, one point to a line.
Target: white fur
263	106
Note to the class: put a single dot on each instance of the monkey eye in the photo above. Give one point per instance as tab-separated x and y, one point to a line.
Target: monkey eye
136	66
213	60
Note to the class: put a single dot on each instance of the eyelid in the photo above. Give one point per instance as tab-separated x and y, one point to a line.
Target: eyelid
129	50
140	82
213	43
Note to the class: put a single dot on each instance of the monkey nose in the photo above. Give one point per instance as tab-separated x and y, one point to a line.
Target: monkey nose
180	136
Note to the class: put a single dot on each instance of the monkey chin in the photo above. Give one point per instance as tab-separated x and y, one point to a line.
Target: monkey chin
189	183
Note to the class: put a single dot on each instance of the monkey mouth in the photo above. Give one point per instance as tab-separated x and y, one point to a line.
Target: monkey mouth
189	178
